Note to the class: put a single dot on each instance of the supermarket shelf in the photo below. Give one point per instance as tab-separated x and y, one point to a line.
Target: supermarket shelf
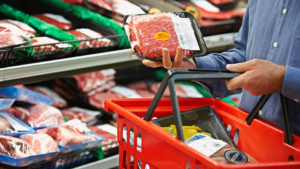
47	70
106	163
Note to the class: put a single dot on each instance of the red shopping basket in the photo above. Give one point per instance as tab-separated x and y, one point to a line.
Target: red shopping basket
160	149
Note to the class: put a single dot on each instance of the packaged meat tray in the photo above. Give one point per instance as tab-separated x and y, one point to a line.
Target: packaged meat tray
109	132
6	103
81	114
11	126
55	20
11	36
28	30
149	34
41	143
38	115
19	153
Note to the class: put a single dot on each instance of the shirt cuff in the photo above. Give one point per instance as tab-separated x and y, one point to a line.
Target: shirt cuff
291	83
205	62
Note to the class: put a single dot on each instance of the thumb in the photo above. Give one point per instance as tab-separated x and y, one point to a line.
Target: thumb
239	67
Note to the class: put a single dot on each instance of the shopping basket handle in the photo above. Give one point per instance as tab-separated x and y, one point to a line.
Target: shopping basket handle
287	127
184	75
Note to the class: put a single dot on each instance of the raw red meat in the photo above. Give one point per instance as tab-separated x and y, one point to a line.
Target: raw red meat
29	31
145	93
4	124
41	143
179	91
138	86
74	1
143	29
10	35
62	89
83	115
42	41
67	135
110	139
98	99
58	101
83	34
14	147
38	115
56	20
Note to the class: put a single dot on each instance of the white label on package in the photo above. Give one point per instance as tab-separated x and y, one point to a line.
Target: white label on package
185	33
58	18
90	33
108	72
52	94
22	25
205	5
126	92
206	145
13	29
108	128
88	112
191	91
15	124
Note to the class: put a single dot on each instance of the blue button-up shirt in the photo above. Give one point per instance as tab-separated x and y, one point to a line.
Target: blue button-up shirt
270	31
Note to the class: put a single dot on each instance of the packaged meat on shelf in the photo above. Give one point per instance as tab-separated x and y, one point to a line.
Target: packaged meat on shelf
11	36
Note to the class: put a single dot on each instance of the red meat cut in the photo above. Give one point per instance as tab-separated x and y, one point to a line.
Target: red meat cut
4	124
110	139
83	115
145	93
62	24
14	147
9	38
98	99
179	91
38	115
66	135
143	28
41	143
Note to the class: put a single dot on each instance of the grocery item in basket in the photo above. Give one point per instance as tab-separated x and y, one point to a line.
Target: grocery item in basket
9	125
182	90
66	135
29	31
14	147
40	143
84	115
84	34
149	34
109	132
55	20
11	35
25	95
122	7
58	101
216	149
188	131
38	115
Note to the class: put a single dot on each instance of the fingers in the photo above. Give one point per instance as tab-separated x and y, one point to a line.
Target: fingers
237	82
166	58
132	52
179	57
241	67
153	64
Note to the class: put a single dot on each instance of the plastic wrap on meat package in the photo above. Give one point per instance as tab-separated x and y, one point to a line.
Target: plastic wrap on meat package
28	30
11	35
109	132
55	20
182	91
84	34
11	126
25	95
58	101
6	103
149	34
41	143
84	115
218	150
38	115
71	138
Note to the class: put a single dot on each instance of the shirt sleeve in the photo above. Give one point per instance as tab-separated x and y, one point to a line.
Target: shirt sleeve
291	83
220	60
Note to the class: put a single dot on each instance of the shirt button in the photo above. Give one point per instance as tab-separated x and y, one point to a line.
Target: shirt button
275	44
284	11
260	112
296	100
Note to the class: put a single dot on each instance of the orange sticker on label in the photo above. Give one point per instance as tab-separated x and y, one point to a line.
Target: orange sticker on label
162	36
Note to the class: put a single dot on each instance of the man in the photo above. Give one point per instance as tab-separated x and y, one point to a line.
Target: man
267	53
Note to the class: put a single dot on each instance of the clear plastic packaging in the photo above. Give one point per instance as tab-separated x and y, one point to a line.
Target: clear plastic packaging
41	143
149	34
25	95
38	115
6	103
11	35
81	114
14	147
11	126
109	132
28	30
55	20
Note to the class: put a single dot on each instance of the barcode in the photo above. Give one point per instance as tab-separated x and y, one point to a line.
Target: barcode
216	144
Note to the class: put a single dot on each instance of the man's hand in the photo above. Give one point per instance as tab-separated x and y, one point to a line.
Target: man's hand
168	64
260	77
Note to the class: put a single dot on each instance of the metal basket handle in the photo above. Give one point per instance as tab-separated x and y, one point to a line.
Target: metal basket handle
183	75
